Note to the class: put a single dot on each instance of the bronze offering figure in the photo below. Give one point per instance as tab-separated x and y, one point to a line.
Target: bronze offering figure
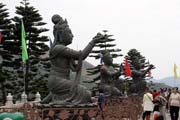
62	89
139	84
109	75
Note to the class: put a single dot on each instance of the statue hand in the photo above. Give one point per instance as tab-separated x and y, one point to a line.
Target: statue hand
99	38
151	66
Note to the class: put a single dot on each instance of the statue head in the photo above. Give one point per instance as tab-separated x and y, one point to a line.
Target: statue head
56	18
107	57
62	32
137	63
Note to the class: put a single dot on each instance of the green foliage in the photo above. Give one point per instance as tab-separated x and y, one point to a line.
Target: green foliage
11	68
35	44
5	54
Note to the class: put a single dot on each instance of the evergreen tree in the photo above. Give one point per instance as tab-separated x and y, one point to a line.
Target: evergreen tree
5	54
106	44
34	74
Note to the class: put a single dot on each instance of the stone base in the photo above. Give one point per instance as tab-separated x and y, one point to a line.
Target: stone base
115	108
68	112
119	108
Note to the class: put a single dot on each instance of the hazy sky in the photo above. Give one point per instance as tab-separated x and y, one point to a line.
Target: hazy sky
150	26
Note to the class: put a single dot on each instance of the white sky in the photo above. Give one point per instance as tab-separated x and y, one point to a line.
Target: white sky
150	26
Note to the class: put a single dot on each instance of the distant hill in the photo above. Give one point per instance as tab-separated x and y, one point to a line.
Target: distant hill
157	86
169	81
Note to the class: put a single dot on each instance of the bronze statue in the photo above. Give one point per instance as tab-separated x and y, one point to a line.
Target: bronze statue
62	89
109	75
139	84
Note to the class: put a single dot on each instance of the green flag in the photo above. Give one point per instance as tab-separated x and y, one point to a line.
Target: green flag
23	40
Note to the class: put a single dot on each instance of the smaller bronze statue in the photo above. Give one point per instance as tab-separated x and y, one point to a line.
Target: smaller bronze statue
62	89
108	75
139	84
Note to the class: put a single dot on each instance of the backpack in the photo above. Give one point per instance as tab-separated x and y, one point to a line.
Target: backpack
162	101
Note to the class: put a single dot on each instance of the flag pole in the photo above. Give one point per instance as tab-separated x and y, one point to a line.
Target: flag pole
24	50
24	76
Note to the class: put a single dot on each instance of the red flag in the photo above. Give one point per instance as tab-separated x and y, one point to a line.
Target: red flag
127	68
1	36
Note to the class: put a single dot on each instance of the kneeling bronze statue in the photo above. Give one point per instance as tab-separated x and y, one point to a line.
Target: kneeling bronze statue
62	90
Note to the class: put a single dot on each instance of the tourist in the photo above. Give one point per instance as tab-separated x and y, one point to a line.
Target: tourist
147	104
101	100
155	94
161	101
156	104
174	102
168	94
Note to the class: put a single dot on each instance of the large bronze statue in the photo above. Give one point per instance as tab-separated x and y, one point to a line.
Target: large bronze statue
62	89
108	75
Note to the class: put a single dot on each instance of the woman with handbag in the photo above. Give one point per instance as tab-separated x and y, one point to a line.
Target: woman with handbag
147	104
174	102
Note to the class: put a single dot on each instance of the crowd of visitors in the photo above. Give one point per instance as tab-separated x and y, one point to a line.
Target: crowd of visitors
160	102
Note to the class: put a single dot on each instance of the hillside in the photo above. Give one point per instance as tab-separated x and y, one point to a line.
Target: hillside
169	81
157	86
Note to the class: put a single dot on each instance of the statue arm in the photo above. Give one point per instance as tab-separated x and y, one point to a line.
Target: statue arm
137	73
87	49
70	53
65	51
146	71
113	74
140	73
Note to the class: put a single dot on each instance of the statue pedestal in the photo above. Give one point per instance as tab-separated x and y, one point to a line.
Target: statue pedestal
71	112
114	108
123	107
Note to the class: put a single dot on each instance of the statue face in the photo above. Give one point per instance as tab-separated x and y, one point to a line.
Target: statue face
108	60
67	36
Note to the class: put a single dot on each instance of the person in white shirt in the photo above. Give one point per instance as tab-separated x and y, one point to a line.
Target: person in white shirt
147	104
174	102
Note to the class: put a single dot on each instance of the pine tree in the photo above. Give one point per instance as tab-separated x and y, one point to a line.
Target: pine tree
5	54
140	69
106	44
35	45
